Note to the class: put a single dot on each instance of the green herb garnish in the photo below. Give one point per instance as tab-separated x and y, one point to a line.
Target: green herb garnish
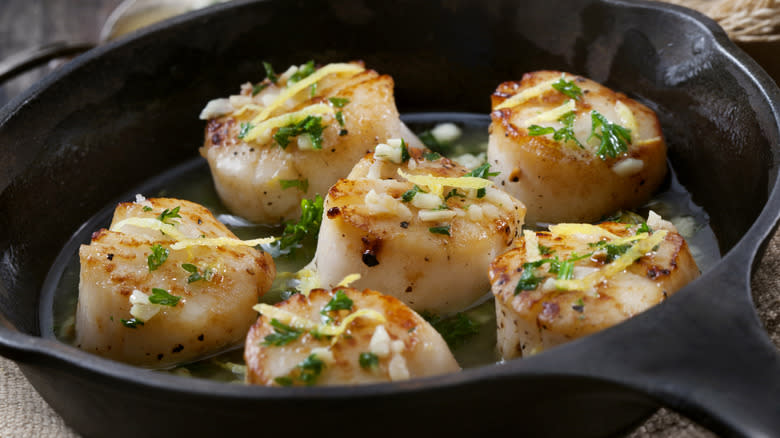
483	172
147	208
404	152
454	329
158	256
167	216
564	134
432	156
340	301
368	360
644	228
131	323
338	102
443	229
243	129
258	87
283	334
311	125
409	194
569	88
302	72
163	298
310	369
308	225
269	72
302	184
528	279
614	138
545	250
196	275
453	193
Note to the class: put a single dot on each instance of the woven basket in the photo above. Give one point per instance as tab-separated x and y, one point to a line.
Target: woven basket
753	24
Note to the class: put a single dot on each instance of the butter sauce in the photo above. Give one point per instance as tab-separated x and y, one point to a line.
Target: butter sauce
192	181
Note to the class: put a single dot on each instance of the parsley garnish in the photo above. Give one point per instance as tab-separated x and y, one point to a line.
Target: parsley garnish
131	323
147	208
545	250
614	138
368	360
163	298
167	215
404	152
432	156
444	229
308	225
258	87
452	193
283	334
564	134
311	368
283	381
243	129
528	279
340	118
644	228
302	184
340	301
302	72
455	329
569	88
313	90
311	125
195	275
482	171
409	194
613	251
579	305
269	72
158	256
338	102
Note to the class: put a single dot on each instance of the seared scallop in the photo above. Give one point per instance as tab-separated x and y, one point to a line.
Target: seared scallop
342	337
417	226
167	283
573	150
281	141
578	279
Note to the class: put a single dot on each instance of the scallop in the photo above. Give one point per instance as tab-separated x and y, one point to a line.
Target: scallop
279	142
578	279
573	150
417	227
166	284
342	336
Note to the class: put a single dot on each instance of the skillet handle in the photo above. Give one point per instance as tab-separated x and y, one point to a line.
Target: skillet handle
703	353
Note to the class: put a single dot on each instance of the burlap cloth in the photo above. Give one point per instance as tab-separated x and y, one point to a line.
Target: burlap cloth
23	413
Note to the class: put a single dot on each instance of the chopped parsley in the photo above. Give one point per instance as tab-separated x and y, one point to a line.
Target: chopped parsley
306	372
482	171
340	301
283	334
528	279
196	275
158	256
432	156
147	208
409	194
340	118
243	129
453	193
302	72
644	228
443	229
258	87
454	329
131	323
313	90
311	125
163	298
404	152
308	225
338	102
614	138
167	216
368	360
269	72
545	250
564	134
613	251
302	184
569	88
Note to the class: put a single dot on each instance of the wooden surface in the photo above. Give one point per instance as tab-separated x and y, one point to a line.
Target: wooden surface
25	23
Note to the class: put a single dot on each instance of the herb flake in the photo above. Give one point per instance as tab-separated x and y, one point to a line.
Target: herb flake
455	329
311	125
283	334
163	298
443	229
569	88
614	139
158	256
368	360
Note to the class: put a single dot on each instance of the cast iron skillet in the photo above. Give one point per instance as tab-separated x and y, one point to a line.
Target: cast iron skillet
128	111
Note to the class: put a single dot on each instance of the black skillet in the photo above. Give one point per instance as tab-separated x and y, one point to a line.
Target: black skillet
126	112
